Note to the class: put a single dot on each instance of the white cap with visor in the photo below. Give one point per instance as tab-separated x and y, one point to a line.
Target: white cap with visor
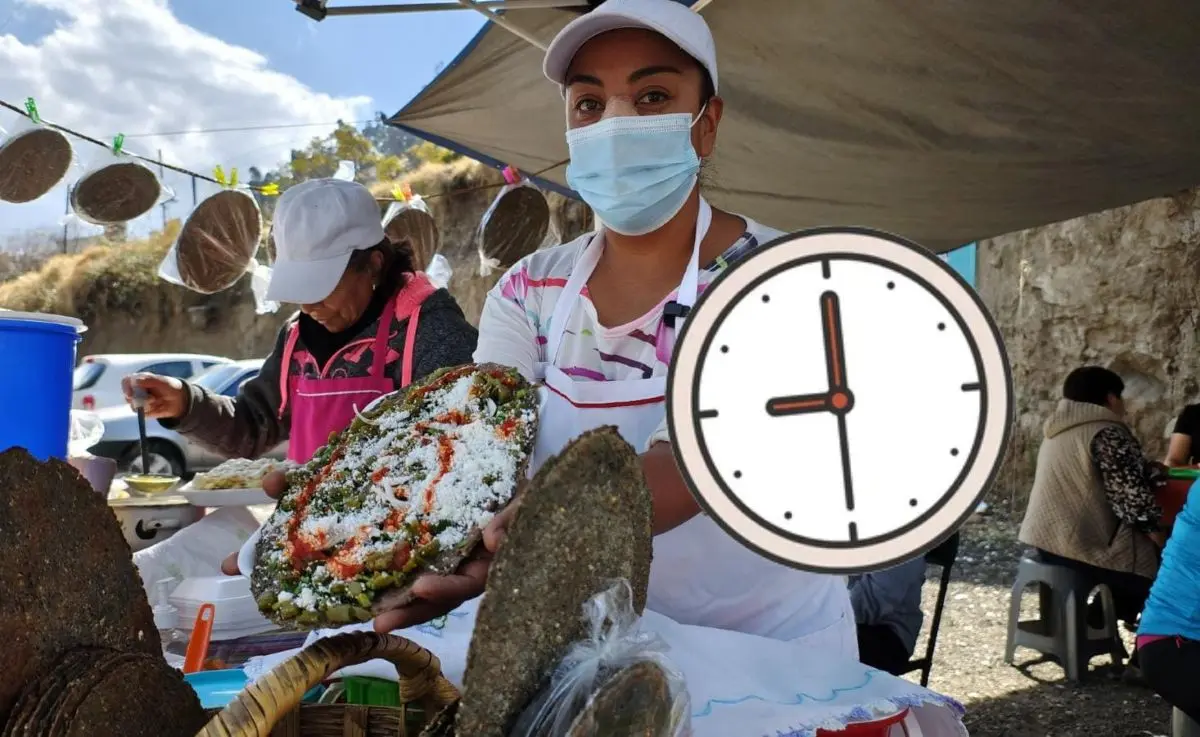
668	18
318	225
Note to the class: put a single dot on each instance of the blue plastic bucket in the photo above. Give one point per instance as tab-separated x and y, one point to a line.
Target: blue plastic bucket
37	366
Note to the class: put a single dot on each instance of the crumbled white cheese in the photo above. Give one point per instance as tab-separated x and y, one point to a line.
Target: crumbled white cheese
285	596
307	599
399	458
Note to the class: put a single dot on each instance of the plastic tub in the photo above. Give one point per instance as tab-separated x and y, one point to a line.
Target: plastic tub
36	381
236	613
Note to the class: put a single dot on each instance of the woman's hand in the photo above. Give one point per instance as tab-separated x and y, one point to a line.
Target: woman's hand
274	483
166	397
435	595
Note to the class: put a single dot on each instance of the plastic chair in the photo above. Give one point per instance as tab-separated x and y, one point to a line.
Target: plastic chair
943	555
1061	631
1183	726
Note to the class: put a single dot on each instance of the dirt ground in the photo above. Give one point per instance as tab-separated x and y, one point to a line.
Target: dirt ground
1029	698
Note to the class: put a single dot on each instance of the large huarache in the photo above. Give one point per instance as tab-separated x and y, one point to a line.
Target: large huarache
405	489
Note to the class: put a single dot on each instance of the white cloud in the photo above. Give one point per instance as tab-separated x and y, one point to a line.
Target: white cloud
131	66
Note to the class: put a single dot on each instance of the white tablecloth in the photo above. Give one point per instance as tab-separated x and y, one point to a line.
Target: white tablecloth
739	685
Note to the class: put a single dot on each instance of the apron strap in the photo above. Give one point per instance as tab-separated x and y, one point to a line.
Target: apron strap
289	347
408	305
380	347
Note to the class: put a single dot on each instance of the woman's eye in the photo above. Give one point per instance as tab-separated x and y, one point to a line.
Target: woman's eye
588	106
653	98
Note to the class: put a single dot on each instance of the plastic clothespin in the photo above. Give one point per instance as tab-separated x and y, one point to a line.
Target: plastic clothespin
118	144
511	174
219	175
270	189
32	111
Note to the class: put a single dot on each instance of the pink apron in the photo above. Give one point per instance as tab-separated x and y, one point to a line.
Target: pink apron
323	406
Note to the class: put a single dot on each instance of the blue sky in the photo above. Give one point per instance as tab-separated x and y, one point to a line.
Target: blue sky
157	66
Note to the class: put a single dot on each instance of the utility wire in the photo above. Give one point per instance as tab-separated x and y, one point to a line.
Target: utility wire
248	128
197	175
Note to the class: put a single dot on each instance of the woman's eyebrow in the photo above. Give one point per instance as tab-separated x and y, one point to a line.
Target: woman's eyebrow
651	71
583	79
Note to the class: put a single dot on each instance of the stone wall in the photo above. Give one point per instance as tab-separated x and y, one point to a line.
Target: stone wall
1119	289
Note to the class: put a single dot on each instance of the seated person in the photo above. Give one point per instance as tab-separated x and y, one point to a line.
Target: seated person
1182	451
1168	642
1092	506
887	608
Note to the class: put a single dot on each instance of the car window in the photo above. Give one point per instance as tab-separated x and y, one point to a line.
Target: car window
87	374
177	369
216	378
234	386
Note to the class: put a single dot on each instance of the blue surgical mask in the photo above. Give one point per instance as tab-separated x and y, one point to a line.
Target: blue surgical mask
634	171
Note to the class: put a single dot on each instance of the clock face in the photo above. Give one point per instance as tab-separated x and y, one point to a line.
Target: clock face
840	400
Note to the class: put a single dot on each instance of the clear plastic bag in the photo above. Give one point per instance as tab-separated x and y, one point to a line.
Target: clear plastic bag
218	242
86	430
439	271
514	226
409	219
34	158
116	187
614	642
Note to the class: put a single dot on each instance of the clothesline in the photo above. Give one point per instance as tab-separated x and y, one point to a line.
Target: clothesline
267	190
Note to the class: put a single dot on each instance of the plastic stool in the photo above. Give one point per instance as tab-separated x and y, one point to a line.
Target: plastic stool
1062	631
901	724
1183	726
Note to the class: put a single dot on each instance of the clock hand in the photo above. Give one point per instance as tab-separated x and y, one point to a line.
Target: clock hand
799	404
835	350
844	445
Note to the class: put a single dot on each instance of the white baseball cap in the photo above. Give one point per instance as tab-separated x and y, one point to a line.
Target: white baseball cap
318	225
668	18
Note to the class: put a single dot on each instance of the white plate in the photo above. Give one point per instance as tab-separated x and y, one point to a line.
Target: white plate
245	559
224	497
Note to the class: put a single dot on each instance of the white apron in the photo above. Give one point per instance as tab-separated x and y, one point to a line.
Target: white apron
699	574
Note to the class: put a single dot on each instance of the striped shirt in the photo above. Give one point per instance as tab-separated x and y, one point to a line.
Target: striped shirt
515	323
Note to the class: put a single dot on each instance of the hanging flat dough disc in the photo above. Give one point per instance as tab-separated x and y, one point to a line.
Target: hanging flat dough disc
218	242
32	162
418	227
116	193
515	226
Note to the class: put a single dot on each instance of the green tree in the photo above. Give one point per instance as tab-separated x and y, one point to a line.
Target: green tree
430	153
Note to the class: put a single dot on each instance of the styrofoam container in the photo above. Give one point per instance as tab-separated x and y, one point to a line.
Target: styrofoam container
235	608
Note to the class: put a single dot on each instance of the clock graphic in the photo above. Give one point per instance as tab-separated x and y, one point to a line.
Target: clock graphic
840	400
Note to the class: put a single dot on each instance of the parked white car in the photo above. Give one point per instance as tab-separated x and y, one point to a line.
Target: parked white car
98	378
168	451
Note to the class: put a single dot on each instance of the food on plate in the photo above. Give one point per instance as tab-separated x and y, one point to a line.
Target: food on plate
240	473
406	488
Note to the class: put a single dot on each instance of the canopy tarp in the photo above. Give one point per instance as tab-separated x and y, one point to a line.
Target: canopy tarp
943	122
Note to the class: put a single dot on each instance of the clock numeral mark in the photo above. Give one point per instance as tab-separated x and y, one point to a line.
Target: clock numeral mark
707	414
954	451
941	326
912	502
787	515
972	387
891	285
853	532
825	268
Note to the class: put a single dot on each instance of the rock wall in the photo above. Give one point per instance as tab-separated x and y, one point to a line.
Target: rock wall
1119	289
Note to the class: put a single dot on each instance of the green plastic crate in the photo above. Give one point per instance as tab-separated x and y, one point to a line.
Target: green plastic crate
366	691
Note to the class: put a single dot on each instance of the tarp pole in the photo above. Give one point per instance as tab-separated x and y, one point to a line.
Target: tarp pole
700	5
498	20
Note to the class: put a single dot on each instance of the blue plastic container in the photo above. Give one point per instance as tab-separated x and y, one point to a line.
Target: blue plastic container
37	366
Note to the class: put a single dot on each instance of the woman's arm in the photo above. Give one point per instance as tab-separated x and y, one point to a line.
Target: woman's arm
444	337
506	335
1125	477
673	500
245	426
1179	451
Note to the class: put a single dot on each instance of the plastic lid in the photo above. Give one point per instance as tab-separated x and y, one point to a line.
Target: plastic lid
43	317
165	617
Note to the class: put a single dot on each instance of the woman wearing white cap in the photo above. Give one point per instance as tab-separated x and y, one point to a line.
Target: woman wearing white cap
594	318
368	324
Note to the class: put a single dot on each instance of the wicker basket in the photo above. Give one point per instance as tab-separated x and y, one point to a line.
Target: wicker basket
271	705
